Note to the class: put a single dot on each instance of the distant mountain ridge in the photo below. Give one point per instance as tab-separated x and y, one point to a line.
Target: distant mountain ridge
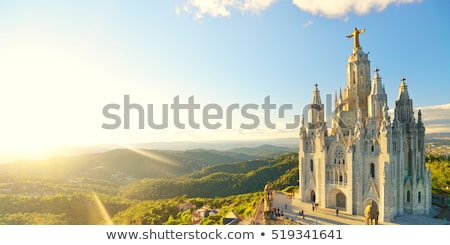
437	137
220	145
265	150
135	163
7	156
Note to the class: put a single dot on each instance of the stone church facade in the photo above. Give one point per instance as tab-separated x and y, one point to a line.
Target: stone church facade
365	155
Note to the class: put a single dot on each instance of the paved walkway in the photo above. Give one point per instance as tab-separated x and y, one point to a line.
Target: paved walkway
291	208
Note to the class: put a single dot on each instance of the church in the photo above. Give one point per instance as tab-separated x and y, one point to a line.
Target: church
364	156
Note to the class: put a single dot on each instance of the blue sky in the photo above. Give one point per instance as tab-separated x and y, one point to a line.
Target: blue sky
61	62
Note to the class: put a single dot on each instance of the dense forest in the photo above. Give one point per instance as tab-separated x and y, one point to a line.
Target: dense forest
220	181
74	208
98	192
440	173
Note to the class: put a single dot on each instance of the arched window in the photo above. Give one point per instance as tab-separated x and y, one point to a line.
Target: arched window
408	196
340	178
419	197
338	155
311	165
372	170
373	148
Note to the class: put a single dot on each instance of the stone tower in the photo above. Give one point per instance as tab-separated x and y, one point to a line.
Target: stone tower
268	204
368	157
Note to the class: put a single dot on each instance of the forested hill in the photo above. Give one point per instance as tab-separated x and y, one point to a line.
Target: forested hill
220	180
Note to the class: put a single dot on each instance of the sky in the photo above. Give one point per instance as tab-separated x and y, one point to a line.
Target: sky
63	62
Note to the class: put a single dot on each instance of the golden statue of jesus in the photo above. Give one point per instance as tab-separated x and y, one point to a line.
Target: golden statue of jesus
355	35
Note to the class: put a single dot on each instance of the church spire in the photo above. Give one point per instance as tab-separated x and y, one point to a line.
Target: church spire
377	87
317	108
403	91
377	98
403	105
316	95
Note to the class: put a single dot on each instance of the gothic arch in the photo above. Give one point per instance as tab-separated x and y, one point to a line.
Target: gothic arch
311	195
421	194
337	199
408	203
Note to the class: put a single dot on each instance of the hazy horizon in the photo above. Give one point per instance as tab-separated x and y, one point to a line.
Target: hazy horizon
181	145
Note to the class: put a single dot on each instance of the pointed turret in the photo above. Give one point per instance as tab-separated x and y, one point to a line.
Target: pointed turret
317	109
316	95
377	87
302	128
419	119
377	98
403	105
403	91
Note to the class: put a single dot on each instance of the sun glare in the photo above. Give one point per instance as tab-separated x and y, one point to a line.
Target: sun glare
102	210
151	155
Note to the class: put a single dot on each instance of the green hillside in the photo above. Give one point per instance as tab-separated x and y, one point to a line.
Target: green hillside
222	180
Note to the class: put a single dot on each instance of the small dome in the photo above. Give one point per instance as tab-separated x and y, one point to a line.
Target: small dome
268	186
